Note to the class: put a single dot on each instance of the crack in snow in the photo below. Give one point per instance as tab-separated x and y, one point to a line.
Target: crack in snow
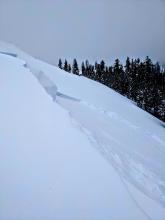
128	166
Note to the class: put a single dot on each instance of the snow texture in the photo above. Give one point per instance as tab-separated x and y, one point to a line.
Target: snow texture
74	149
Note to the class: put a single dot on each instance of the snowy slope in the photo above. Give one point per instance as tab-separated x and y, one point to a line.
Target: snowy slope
73	149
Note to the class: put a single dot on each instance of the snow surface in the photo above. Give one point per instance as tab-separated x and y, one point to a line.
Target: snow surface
74	149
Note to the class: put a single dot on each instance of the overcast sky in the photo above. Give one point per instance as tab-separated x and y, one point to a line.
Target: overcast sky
93	29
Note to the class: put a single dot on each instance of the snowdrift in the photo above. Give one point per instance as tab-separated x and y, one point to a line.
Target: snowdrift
74	149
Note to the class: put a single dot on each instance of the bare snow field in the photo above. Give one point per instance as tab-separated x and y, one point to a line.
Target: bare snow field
73	149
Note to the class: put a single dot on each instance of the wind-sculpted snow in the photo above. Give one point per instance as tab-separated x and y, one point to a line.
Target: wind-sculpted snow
130	164
48	168
9	54
47	84
73	149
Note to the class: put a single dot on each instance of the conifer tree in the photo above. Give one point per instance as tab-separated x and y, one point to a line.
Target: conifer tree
69	68
60	64
75	69
83	70
141	81
65	66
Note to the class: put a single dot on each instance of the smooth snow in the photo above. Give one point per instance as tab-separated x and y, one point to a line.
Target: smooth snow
75	149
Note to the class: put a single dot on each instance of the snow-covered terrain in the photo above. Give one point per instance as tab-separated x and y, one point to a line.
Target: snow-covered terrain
72	149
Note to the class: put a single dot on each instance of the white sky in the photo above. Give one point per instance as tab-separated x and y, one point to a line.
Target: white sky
82	29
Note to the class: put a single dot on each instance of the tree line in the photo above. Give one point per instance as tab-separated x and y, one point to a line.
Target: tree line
141	81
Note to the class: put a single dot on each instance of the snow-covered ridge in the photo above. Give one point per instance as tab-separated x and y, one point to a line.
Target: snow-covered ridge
73	133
